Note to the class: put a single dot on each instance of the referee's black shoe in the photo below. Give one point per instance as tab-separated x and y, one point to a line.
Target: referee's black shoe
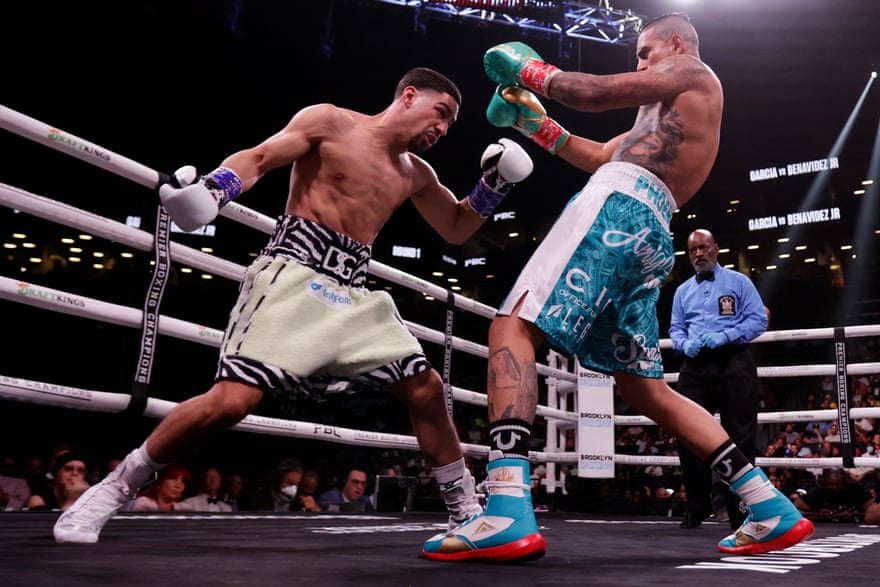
693	518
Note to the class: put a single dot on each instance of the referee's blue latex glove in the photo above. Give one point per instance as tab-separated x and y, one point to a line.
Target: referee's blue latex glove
692	346
713	340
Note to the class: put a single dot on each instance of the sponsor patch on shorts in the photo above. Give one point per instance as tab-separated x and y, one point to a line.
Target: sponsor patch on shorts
332	296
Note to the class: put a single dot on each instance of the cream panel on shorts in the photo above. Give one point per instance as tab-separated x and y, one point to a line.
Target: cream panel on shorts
293	318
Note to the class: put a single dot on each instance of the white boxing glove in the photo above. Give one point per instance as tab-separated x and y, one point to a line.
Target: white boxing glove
192	205
504	165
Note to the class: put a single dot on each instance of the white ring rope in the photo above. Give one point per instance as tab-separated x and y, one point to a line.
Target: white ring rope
53	210
71	397
68	215
82	306
804	370
99	401
49	209
805	334
42	207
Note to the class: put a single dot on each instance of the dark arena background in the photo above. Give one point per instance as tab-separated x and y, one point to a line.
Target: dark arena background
791	200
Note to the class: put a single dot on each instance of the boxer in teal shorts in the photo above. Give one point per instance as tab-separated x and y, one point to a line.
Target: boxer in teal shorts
591	288
625	256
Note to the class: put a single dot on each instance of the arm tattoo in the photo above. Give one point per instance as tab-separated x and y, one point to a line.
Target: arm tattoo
514	380
579	93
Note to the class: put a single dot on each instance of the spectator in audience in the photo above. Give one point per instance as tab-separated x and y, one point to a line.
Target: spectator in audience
838	499
774	474
670	503
68	482
96	474
40	474
664	443
35	472
12	467
277	493
861	387
790	434
800	449
166	493
233	486
625	445
828	403
776	449
863	476
874	448
866	425
307	495
816	471
826	449
871	482
793	479
873	394
833	434
7	465
208	498
860	442
640	502
812	437
351	496
14	493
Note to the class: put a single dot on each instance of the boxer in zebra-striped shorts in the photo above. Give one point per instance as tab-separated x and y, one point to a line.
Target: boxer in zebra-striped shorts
304	321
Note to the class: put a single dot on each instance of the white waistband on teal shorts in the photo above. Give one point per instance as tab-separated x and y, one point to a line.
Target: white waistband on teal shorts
639	183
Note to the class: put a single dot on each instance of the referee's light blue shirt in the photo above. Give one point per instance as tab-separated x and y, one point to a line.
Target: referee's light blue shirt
730	304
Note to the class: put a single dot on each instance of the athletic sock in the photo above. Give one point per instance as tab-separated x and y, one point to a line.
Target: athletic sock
447	475
138	468
512	437
732	465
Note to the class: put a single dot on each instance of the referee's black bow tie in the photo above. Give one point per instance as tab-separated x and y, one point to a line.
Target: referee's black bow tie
213	499
708	275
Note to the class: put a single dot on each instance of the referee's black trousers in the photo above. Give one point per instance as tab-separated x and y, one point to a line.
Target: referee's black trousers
724	381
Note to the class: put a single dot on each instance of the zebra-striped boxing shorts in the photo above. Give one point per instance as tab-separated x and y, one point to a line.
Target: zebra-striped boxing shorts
304	322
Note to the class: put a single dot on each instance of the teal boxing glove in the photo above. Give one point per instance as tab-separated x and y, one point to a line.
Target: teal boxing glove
516	107
516	63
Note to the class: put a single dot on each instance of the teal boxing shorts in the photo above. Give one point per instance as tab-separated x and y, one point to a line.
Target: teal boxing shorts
593	283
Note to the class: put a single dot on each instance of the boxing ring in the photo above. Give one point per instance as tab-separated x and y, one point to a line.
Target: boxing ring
221	548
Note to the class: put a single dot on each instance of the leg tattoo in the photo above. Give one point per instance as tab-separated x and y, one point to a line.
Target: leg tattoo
515	381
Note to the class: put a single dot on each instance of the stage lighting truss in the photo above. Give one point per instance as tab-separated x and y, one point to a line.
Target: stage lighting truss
597	22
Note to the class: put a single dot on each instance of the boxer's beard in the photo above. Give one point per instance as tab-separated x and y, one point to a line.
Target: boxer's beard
418	144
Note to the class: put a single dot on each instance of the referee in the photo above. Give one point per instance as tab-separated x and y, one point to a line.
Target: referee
715	314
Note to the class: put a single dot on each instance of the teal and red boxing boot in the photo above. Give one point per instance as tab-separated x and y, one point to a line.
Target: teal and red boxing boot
772	524
506	531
